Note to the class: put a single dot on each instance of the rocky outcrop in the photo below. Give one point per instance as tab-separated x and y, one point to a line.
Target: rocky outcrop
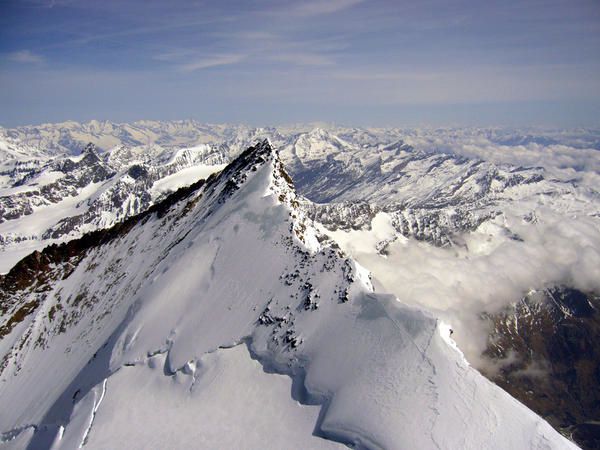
544	351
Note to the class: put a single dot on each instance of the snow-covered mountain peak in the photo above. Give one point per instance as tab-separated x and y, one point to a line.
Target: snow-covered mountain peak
89	156
317	144
280	186
225	262
420	208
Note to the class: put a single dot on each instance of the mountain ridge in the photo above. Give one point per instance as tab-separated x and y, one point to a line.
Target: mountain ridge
319	322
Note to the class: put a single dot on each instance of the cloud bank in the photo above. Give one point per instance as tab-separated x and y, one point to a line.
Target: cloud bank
539	240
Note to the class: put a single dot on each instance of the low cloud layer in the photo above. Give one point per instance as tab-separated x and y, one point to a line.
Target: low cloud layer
539	240
492	271
554	150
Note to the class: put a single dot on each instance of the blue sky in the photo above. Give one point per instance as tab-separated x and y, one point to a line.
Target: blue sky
369	62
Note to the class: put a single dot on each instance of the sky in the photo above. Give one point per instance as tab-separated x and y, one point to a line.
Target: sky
266	62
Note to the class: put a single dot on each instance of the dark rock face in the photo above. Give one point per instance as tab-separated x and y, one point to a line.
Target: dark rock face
136	171
348	215
550	359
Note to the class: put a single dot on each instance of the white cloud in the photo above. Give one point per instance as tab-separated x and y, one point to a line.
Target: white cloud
562	159
488	269
25	57
213	61
457	284
317	7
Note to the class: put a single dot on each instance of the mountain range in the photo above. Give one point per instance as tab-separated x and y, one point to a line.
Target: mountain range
159	257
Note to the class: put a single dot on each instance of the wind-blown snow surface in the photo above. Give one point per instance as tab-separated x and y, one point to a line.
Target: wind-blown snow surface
236	262
224	400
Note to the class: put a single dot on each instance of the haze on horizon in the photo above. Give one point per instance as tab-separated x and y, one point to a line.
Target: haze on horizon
264	62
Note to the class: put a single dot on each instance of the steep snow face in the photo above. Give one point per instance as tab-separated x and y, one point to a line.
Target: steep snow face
147	306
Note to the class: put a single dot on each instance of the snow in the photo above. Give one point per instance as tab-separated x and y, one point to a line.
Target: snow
184	177
44	216
144	361
33	225
357	242
44	178
20	441
77	158
227	402
486	270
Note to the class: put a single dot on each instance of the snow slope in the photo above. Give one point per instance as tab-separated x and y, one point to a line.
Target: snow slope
224	400
184	177
149	304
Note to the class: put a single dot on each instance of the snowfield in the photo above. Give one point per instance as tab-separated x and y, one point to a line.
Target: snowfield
223	400
141	340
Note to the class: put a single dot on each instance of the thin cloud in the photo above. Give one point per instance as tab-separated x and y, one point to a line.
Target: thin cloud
213	61
317	7
173	55
146	30
25	57
304	59
398	76
49	3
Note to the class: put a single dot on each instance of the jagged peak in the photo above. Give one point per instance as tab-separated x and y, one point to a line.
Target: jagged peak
221	186
90	148
89	154
281	186
262	148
